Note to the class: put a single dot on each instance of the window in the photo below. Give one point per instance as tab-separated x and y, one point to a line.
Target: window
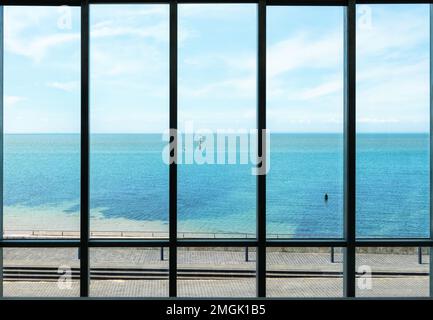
129	272
41	272
393	112
304	272
392	272
129	114
217	104
305	75
216	272
93	206
41	195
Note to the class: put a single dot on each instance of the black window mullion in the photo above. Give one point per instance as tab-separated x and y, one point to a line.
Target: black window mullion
173	155
261	150
45	3
84	192
350	147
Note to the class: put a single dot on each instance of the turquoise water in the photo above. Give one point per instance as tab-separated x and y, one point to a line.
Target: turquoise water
129	186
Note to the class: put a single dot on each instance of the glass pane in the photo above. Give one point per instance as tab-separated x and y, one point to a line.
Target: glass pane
216	272
129	272
393	121
304	272
392	272
41	272
41	121
129	112
217	94
305	110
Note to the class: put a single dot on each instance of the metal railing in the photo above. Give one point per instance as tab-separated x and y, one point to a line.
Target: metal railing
23	234
149	234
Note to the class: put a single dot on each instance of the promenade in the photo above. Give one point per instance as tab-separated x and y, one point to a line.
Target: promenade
209	272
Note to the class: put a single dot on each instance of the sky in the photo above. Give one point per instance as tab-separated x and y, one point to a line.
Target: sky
217	75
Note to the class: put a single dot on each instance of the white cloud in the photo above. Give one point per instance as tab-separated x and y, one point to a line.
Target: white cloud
23	34
37	48
220	12
327	88
238	87
392	76
139	60
64	86
377	120
11	101
149	10
130	44
186	33
393	71
393	31
303	51
113	29
240	68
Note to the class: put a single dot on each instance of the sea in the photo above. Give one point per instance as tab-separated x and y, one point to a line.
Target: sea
129	186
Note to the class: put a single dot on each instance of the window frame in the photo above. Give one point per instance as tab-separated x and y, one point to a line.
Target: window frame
349	242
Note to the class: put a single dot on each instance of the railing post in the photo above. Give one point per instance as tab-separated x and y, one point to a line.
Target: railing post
162	253
246	254
332	255
420	255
